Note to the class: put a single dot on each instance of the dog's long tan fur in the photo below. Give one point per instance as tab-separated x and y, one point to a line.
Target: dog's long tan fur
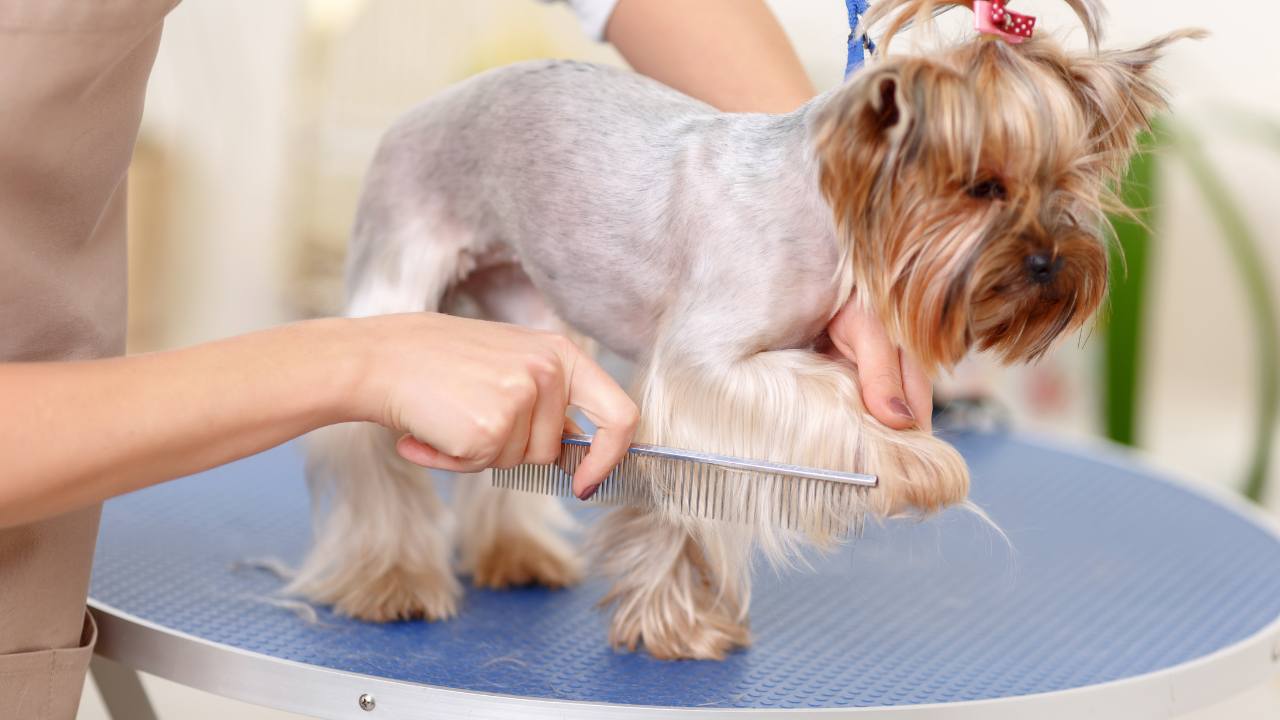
962	194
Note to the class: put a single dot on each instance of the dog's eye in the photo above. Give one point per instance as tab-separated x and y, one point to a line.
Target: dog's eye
988	190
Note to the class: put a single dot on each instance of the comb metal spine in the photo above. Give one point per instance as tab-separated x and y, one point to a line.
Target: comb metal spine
699	485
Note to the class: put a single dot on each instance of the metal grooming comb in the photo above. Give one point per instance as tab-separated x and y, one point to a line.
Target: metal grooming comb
715	487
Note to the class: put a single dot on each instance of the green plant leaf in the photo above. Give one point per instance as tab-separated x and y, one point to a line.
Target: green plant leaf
1122	325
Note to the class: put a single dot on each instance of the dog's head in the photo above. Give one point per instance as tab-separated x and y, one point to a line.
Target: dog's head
971	186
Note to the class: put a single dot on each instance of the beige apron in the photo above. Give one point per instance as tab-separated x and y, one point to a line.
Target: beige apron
72	78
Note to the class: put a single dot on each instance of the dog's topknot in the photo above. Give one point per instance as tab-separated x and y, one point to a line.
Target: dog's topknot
899	13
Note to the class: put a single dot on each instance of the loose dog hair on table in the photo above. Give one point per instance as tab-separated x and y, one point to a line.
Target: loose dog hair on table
961	192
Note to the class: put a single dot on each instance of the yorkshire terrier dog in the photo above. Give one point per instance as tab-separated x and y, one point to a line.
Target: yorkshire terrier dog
961	194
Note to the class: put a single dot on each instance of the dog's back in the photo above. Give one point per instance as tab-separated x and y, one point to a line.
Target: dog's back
537	153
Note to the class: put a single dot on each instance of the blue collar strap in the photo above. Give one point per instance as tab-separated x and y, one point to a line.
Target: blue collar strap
859	42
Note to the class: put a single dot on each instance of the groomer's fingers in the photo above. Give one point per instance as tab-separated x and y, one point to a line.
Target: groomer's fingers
420	453
513	451
548	419
861	337
613	412
919	389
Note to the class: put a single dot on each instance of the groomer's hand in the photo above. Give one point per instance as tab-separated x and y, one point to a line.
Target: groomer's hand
471	394
894	387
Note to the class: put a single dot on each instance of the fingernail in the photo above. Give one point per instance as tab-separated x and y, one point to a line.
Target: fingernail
900	406
586	494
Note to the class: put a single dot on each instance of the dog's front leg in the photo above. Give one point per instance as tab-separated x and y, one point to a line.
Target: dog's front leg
681	584
674	591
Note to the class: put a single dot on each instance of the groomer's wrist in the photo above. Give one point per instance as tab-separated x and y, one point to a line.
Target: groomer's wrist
340	354
371	368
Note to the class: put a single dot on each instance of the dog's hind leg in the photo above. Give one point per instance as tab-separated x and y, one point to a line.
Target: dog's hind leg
382	546
382	535
509	538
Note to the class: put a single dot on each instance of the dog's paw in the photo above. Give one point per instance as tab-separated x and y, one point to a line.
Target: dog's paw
400	595
921	476
665	597
518	561
708	634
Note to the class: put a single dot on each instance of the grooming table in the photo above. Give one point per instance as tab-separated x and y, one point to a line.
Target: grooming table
1125	595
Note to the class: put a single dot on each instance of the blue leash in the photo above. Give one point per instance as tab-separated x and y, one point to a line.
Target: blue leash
859	42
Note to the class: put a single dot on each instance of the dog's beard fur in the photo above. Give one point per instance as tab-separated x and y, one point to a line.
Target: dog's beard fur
968	190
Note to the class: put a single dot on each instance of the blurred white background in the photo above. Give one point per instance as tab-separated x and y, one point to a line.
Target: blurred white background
261	117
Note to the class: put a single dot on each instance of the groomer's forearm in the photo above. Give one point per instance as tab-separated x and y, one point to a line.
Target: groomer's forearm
73	433
732	54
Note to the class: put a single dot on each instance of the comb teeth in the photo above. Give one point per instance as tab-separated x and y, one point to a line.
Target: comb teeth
819	503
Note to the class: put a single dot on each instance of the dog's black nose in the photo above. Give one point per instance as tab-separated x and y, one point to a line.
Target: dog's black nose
1042	267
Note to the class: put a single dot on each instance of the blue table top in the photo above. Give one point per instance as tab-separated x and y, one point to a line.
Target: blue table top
1113	572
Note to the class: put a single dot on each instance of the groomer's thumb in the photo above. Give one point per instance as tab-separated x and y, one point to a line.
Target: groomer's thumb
861	337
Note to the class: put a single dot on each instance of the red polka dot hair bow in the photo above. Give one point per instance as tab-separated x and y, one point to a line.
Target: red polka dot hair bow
993	18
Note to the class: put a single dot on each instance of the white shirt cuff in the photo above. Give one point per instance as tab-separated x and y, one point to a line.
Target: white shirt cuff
593	15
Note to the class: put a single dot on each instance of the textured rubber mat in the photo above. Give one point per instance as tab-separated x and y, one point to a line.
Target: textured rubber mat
1112	573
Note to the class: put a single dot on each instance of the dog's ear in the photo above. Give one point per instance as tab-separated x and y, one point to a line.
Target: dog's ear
861	115
856	130
1119	90
882	109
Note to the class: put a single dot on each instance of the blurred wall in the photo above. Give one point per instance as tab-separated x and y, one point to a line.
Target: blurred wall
218	119
262	116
